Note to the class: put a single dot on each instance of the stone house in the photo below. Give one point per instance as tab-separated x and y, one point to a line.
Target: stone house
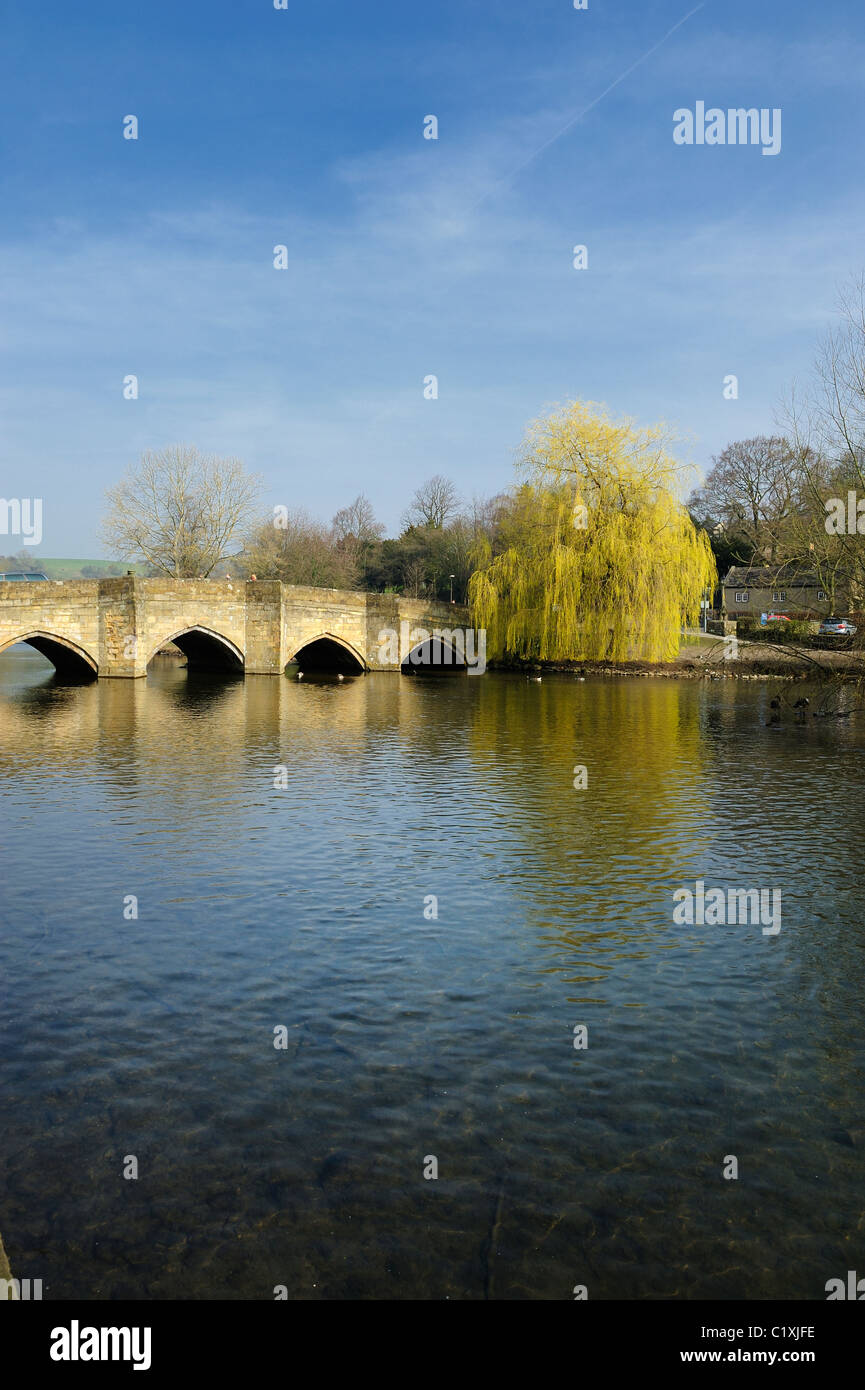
748	591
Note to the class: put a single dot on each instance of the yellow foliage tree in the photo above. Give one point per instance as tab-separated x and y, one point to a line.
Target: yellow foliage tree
601	560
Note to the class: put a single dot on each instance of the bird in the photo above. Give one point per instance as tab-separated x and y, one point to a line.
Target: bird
803	703
300	675
340	676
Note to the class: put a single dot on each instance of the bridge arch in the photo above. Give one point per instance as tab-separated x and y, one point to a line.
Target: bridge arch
327	652
70	661
436	655
204	649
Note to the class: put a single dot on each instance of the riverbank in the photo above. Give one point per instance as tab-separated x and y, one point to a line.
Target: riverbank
704	657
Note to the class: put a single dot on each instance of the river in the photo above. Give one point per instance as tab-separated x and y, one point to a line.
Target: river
396	881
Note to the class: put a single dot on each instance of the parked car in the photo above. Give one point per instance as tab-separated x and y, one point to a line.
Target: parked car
24	575
839	627
777	618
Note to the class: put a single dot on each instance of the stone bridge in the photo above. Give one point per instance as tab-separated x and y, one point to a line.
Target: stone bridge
114	627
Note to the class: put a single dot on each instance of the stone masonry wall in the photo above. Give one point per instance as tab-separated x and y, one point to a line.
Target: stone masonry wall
119	624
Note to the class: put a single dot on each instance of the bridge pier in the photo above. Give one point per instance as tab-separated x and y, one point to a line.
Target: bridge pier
119	651
265	642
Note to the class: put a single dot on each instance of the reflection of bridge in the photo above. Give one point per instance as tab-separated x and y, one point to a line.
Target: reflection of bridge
114	627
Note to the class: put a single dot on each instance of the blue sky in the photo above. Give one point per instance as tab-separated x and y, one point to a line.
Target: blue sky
407	256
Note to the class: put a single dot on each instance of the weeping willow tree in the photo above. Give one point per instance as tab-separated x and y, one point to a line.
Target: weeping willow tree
599	559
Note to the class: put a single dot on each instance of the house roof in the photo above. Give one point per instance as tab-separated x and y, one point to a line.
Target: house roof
770	577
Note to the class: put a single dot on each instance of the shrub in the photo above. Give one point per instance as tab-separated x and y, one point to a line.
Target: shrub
798	630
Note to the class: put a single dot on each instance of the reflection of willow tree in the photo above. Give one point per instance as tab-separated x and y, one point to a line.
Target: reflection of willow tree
640	815
599	559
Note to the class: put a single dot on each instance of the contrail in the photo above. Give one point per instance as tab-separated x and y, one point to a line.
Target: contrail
586	109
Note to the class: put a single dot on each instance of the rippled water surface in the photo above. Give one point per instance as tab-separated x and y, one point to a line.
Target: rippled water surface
303	906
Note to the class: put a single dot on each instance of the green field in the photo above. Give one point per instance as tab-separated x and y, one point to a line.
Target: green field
72	569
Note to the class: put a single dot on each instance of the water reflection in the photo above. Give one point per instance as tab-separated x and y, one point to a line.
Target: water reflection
284	841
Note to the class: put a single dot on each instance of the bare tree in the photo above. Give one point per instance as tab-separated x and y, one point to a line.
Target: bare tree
433	504
414	577
838	412
486	514
355	526
827	423
179	510
298	550
753	488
